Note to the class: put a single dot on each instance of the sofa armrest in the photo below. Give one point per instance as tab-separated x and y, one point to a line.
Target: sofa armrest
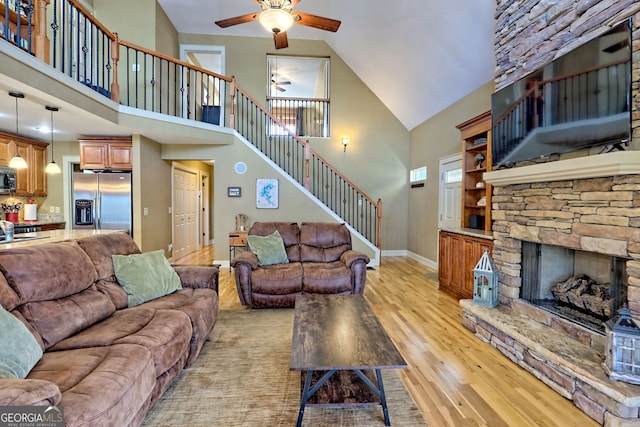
198	276
245	257
243	264
18	392
351	256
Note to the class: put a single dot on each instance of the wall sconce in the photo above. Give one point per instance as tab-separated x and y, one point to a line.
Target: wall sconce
17	161
345	141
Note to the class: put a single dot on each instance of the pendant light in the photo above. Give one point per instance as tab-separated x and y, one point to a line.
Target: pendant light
52	168
17	161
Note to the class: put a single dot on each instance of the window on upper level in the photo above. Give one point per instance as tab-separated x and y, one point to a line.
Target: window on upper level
298	94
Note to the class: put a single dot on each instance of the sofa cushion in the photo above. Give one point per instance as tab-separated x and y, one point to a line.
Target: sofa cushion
145	276
277	279
53	270
201	305
60	318
19	350
269	249
326	278
289	231
323	242
165	333
101	247
101	386
8	297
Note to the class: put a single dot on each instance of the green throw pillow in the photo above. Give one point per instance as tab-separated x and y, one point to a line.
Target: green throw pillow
19	350
269	249
145	276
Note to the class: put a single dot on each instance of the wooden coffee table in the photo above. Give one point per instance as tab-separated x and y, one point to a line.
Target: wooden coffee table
341	347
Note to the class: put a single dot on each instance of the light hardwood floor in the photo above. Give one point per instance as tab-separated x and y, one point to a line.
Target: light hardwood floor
456	379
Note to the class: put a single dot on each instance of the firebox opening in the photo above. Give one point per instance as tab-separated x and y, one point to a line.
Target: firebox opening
586	288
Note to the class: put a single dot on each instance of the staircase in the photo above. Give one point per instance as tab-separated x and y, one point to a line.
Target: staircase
83	49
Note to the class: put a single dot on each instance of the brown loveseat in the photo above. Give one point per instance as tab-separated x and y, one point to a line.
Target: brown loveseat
104	362
320	261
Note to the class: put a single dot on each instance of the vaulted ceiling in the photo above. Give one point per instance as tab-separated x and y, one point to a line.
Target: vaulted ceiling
417	56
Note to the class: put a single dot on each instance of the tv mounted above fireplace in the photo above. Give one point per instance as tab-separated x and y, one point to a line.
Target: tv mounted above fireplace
582	99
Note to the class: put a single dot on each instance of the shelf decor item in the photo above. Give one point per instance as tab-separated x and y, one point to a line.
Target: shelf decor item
622	356
485	282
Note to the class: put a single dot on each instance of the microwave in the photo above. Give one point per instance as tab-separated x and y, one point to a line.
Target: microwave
7	180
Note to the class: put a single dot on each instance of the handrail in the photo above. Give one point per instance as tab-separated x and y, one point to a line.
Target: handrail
173	60
91	18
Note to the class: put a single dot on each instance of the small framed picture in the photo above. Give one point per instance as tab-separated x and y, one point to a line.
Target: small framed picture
234	191
267	193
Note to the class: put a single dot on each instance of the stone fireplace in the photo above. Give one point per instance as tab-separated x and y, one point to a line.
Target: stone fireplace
554	222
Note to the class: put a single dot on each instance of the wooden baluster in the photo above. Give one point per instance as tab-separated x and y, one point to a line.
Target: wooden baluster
115	57
379	209
307	167
41	40
232	115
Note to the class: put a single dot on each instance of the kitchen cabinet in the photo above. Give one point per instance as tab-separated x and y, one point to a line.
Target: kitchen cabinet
31	181
457	256
106	153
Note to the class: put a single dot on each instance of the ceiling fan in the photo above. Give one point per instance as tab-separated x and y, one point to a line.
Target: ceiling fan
277	16
279	83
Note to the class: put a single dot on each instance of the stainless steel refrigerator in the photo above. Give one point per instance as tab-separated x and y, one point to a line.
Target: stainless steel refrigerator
102	201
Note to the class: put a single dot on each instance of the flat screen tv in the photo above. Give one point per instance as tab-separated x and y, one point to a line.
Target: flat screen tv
580	100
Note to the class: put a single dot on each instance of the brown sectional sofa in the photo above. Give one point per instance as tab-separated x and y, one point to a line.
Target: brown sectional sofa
104	362
321	261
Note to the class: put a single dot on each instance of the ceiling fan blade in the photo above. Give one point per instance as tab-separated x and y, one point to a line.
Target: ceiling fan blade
285	82
294	2
318	22
224	23
281	89
280	39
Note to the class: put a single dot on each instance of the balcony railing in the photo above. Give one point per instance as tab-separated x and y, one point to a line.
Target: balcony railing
79	46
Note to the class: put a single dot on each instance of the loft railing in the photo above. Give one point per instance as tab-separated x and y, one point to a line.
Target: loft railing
82	48
305	117
560	100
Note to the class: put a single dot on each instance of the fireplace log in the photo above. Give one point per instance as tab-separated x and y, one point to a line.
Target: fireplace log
584	293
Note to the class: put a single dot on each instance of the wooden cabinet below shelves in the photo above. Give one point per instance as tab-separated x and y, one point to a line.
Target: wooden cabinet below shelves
458	254
105	153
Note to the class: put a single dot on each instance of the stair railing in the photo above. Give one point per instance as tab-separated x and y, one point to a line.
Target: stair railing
85	50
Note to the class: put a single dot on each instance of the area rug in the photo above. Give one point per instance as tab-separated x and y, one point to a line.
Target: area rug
242	378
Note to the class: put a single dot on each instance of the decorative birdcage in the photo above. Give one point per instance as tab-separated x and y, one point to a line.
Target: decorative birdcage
622	359
485	281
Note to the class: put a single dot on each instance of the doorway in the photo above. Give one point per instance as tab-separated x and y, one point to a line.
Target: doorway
450	191
210	58
185	219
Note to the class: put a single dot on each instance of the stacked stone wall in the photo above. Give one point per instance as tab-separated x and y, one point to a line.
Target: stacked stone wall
595	215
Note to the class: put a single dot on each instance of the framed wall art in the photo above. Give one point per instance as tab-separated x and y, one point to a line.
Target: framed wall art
267	193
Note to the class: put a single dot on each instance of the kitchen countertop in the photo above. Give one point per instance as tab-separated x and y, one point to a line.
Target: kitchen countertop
41	237
36	223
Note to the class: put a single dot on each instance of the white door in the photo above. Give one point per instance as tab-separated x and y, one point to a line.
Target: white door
450	208
184	213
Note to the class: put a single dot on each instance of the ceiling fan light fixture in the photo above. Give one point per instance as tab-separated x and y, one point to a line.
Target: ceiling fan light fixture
276	20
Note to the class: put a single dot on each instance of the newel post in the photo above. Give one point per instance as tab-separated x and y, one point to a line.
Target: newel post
41	39
379	209
307	167
115	57
232	114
